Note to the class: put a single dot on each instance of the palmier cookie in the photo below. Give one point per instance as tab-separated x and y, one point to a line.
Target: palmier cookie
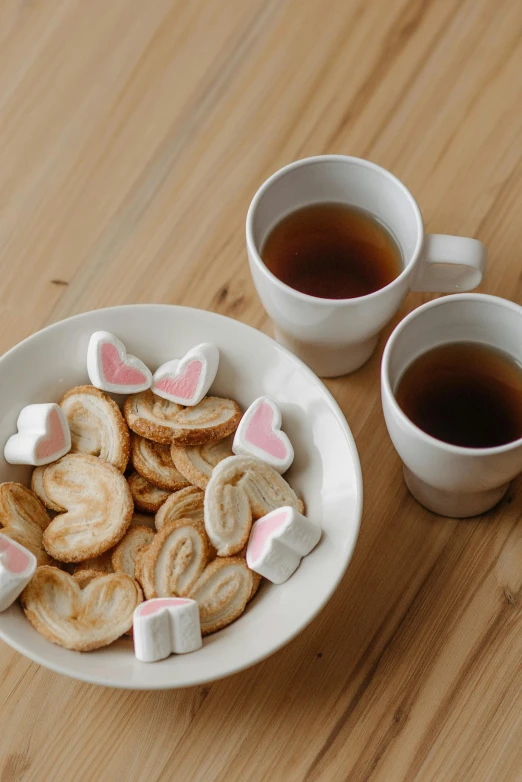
38	489
167	422
184	504
98	503
222	592
175	559
142	520
24	519
154	462
101	564
124	554
82	613
242	488
97	425
196	462
146	496
84	577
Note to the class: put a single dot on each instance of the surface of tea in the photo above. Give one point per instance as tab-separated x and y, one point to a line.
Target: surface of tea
332	251
464	393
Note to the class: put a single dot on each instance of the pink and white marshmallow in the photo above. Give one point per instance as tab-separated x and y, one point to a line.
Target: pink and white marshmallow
164	626
259	434
17	567
279	541
43	436
112	369
187	380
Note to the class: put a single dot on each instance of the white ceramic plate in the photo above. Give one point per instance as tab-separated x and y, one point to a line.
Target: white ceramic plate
326	473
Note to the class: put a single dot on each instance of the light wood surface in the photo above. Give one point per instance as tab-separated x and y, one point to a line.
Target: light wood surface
132	137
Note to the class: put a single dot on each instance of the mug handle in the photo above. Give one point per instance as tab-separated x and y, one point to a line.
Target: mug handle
449	264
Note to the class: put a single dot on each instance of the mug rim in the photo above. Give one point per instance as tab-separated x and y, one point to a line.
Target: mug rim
386	388
315	160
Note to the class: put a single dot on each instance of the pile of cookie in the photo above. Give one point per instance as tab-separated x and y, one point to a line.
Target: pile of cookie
162	518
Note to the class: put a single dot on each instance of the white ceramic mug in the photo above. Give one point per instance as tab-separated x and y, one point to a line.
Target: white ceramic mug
448	479
336	336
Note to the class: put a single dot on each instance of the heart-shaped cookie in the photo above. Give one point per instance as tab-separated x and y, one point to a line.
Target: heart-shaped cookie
278	541
147	497
111	368
164	626
167	422
241	489
222	592
196	462
154	462
80	614
98	502
184	504
124	554
43	436
24	519
17	567
175	559
187	380
38	489
97	425
100	564
259	434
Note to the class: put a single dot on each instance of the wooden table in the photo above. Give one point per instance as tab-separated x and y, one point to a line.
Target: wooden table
132	136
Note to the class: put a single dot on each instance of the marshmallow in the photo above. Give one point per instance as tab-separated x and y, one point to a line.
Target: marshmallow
111	368
278	541
17	567
259	434
166	625
187	380
43	436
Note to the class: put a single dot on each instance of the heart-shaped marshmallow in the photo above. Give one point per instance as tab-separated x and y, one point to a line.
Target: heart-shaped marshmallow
111	368
259	434
187	380
17	567
164	626
278	541
43	436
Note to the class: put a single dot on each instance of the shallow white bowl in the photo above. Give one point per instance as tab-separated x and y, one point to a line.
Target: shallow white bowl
326	473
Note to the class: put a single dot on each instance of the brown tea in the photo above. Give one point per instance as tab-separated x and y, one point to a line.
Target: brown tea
464	393
332	251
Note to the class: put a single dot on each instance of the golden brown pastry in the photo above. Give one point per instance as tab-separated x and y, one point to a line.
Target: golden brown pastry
82	612
38	489
97	425
24	519
101	564
167	422
196	462
184	504
146	496
154	462
98	506
241	489
222	592
175	559
124	554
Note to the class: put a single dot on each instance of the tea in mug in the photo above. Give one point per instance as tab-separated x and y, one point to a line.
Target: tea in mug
464	393
332	251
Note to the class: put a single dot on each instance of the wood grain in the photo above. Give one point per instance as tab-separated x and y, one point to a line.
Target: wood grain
132	137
